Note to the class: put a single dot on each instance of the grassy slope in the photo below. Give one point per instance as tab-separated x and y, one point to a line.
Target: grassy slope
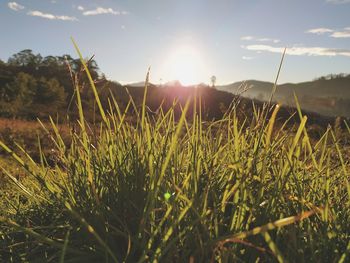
168	189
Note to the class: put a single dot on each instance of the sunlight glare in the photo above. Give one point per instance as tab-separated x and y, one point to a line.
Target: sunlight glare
184	64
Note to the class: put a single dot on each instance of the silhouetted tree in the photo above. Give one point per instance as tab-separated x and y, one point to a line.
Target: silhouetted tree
213	81
25	58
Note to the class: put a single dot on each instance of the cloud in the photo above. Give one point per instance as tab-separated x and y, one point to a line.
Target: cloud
342	34
247	58
80	8
51	16
320	31
103	11
251	38
338	1
301	51
14	6
247	38
268	40
345	33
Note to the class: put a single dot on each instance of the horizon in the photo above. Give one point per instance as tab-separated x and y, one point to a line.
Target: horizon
141	82
187	41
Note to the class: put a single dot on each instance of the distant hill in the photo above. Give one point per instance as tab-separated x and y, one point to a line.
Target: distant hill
327	95
214	103
136	84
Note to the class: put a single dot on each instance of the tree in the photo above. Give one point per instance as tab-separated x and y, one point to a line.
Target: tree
50	93
213	81
49	61
17	97
6	74
31	85
25	58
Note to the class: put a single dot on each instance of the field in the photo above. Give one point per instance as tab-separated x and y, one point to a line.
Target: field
167	188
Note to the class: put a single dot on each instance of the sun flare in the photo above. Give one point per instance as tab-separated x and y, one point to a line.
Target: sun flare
185	65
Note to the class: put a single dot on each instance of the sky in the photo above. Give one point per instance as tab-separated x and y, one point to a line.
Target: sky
187	40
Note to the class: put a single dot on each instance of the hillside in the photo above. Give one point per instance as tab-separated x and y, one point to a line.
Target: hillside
327	95
33	86
174	189
169	178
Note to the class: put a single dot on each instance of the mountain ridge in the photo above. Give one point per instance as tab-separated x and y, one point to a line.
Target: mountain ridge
326	96
329	95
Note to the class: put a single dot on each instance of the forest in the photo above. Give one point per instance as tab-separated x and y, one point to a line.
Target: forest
35	86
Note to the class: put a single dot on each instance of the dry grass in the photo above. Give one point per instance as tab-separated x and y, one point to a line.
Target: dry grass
174	190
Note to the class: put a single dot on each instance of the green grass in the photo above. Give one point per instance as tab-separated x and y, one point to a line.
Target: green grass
170	189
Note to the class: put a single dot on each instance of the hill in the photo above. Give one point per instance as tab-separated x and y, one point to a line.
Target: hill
328	95
33	86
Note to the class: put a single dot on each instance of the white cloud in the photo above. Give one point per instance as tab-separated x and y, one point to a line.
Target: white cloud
345	33
320	30
103	11
263	48
80	8
51	16
251	38
268	40
14	6
341	34
247	58
301	51
338	1
122	27
247	38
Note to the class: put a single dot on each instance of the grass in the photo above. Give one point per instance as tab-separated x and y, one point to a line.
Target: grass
177	189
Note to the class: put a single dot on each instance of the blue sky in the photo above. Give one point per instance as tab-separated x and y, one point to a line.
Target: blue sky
186	39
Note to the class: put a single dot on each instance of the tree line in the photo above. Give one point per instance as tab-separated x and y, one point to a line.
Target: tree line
333	76
32	85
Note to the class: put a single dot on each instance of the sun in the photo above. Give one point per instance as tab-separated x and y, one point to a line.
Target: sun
185	65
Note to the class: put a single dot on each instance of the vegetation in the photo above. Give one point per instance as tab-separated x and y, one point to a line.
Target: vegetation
328	95
176	188
32	86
